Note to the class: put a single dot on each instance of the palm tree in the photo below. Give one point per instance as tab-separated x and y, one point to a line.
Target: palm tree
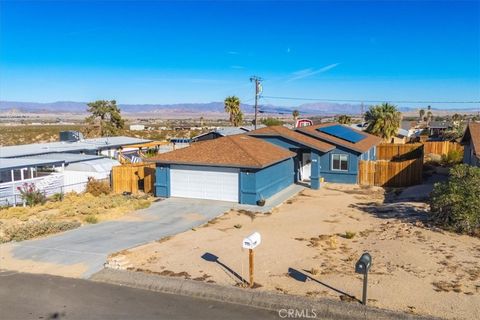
295	114
237	119
232	107
383	120
422	113
429	116
344	119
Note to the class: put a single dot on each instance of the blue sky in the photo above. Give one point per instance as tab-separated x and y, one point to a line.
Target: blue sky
172	52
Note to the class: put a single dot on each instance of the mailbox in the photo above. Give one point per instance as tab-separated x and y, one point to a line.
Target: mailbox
252	241
364	263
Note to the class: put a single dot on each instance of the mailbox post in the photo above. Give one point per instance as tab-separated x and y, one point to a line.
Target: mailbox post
363	266
250	243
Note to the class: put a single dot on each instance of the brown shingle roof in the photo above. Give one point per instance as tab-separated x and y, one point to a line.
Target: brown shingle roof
361	146
231	151
473	131
281	131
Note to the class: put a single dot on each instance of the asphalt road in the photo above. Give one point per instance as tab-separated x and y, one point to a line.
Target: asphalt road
27	296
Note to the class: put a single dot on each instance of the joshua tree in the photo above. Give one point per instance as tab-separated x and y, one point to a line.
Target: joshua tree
106	115
232	107
383	120
344	119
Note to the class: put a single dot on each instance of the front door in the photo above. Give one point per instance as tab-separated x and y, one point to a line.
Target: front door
306	167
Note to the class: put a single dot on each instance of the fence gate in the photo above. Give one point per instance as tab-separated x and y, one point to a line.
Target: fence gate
133	177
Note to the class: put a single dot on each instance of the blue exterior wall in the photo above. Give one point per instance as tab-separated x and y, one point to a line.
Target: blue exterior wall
371	154
349	176
316	168
469	156
315	156
162	181
253	184
264	183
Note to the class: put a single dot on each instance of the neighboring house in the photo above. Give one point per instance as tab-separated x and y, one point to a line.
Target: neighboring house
471	144
59	167
137	127
223	132
340	164
73	143
437	129
236	168
308	151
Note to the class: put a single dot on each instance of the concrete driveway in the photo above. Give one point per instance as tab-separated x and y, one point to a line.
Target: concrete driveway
83	251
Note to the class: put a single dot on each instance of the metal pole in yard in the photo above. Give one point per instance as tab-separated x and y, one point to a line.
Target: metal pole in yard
251	267
365	282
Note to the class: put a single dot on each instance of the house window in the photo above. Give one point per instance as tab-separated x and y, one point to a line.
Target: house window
340	162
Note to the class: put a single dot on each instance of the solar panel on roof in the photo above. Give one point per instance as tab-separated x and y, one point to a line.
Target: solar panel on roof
343	133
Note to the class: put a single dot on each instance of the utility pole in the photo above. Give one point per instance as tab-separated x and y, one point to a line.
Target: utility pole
362	113
258	90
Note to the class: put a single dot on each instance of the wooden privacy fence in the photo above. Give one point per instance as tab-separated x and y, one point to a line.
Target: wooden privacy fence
133	177
441	147
399	151
390	173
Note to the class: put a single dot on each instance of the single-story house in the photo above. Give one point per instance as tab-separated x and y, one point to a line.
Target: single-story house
137	127
223	132
437	129
471	144
73	142
236	168
340	164
308	151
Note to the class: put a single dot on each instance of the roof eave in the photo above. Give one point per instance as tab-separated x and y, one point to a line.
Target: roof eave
229	165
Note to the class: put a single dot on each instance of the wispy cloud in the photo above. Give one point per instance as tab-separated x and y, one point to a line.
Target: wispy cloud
237	67
305	73
233	52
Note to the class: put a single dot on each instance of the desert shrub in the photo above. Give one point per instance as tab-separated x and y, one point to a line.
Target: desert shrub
36	229
349	235
31	194
96	187
455	204
57	197
452	157
91	219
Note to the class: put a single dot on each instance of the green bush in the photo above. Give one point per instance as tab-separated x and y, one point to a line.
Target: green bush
57	197
455	204
452	157
36	229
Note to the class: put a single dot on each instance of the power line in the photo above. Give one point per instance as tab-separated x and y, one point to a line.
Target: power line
369	101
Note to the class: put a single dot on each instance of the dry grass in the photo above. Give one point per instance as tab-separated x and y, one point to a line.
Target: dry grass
75	208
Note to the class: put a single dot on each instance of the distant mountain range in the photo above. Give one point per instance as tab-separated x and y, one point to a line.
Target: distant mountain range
321	108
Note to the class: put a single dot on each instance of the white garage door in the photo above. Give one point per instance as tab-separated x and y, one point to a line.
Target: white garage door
204	182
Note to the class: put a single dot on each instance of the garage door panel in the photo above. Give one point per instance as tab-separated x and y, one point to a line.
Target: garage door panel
204	183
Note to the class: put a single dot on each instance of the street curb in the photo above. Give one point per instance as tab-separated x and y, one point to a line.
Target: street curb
324	308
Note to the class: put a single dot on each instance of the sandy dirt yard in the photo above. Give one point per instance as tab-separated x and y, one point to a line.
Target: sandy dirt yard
321	233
